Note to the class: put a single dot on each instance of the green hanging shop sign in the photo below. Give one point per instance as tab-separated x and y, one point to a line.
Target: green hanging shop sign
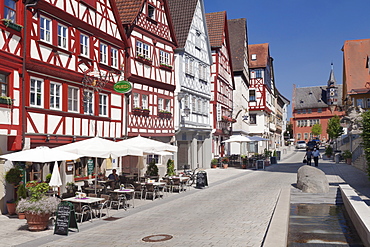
123	87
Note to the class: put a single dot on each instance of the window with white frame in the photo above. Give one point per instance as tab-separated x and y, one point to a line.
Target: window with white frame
36	92
103	105
305	136
144	101
73	99
253	118
136	100
89	102
164	58
152	157
10	10
160	104
193	104
55	95
142	50
252	95
205	107
84	45
187	60
62	36
319	110
151	11
199	104
258	73
45	29
4	84
103	53
359	102
167	105
114	57
298	136
186	101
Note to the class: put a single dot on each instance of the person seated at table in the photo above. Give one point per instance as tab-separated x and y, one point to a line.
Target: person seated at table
114	179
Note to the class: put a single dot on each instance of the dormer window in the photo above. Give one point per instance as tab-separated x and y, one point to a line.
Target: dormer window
254	57
151	11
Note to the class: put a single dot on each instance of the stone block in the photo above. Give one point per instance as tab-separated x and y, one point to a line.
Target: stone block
312	180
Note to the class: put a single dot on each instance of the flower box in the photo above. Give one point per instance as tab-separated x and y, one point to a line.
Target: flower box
6	101
143	59
165	66
145	113
165	115
11	24
137	112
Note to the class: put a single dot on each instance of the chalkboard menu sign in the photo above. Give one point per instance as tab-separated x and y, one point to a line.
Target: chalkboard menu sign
202	180
65	218
90	167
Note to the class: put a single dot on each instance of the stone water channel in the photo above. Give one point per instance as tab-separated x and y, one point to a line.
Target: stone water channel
320	220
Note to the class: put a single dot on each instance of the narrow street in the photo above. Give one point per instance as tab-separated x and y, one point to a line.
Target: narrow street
234	210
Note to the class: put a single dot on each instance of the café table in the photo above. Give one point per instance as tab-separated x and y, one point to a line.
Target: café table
126	191
88	201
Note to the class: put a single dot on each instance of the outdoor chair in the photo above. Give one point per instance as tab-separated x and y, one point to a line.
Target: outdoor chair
118	200
138	189
176	184
81	211
99	207
151	189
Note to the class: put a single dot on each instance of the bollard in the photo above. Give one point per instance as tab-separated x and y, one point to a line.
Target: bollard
337	158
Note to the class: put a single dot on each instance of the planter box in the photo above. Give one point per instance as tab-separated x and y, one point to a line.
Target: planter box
144	60
137	112
12	25
6	101
165	115
145	113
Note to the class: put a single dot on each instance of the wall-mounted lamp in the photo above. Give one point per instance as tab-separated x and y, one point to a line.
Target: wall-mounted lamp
47	138
186	111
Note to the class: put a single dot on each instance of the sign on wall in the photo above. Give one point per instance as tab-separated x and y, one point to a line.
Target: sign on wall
123	87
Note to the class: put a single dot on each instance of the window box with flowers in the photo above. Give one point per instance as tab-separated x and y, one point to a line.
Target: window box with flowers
145	112
9	23
137	111
143	59
6	100
165	66
164	114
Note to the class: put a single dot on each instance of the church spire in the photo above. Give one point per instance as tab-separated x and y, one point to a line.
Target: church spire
332	81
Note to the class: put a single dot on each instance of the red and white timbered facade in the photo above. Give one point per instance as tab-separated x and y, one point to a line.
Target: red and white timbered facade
74	54
150	67
222	80
10	74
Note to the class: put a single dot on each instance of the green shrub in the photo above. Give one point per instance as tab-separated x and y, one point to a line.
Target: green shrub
14	176
152	169
170	168
329	150
347	154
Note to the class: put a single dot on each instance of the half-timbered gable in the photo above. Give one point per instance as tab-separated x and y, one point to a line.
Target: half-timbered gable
150	67
193	61
75	54
222	79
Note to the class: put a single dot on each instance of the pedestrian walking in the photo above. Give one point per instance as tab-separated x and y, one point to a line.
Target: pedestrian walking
308	156
316	156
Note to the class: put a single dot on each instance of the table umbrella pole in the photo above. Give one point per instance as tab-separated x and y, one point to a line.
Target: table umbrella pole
96	172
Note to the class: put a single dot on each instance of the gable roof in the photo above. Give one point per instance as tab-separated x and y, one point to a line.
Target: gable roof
238	40
262	53
356	67
216	27
129	9
182	13
313	97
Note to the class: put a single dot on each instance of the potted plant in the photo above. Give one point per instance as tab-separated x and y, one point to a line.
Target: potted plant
329	151
38	207
13	177
170	168
145	112
152	169
225	162
347	155
214	163
137	111
244	161
21	194
71	187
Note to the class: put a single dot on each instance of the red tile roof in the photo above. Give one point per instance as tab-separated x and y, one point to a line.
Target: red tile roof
262	53
129	9
216	27
182	13
238	41
356	76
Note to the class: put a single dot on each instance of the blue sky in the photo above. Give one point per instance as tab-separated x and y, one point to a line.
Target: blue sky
305	36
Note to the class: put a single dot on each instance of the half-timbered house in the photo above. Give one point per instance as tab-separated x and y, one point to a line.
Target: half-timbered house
192	75
239	50
150	68
222	81
261	95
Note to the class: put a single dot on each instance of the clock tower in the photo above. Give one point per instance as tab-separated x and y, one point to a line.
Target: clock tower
332	91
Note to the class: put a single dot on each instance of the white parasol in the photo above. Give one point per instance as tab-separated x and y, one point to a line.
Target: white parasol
55	180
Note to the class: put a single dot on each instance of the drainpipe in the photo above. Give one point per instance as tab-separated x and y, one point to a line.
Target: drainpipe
23	103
